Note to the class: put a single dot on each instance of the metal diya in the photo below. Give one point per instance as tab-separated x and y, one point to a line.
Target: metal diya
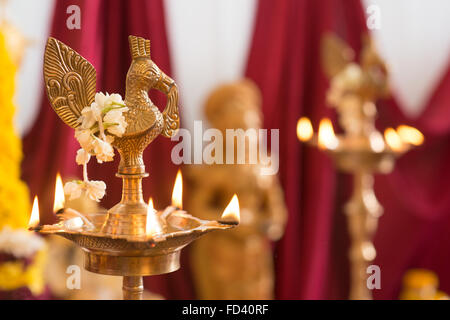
357	157
117	243
361	150
134	256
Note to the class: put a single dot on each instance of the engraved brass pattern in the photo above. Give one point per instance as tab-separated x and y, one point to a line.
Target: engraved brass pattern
70	81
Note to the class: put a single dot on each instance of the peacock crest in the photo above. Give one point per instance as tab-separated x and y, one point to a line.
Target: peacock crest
139	47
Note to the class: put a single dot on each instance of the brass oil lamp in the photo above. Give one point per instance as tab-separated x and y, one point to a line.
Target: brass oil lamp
361	150
132	240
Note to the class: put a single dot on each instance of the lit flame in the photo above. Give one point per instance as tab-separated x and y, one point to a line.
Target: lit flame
34	219
232	211
59	194
327	138
393	139
304	129
177	193
152	226
410	135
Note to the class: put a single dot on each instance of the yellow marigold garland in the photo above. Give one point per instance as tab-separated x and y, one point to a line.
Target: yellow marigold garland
14	275
14	195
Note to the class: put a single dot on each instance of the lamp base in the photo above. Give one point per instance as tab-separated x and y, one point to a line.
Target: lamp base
117	265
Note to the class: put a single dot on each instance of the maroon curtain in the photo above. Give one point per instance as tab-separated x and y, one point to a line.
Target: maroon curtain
50	146
413	231
284	61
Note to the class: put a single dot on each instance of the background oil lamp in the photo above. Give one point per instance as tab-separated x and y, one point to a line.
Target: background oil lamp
361	150
133	239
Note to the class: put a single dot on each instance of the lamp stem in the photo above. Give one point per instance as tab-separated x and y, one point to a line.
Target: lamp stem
363	211
133	287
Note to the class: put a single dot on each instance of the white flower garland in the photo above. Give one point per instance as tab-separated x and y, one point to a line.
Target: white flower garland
99	123
20	243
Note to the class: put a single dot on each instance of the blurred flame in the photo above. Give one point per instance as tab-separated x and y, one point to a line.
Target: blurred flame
177	193
59	194
304	129
232	211
152	225
376	141
393	139
410	135
327	138
34	218
368	251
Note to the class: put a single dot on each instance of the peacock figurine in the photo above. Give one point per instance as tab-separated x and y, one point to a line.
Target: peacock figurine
144	118
70	82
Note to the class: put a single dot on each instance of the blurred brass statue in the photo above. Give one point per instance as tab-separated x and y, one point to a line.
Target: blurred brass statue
236	264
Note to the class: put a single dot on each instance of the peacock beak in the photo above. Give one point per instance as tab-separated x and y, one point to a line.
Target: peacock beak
164	83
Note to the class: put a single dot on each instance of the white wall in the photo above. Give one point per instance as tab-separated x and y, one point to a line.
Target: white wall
210	39
209	42
415	40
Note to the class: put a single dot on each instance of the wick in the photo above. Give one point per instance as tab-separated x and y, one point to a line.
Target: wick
77	213
228	222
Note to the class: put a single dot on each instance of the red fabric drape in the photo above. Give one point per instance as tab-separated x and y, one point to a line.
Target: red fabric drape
413	231
50	146
284	61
